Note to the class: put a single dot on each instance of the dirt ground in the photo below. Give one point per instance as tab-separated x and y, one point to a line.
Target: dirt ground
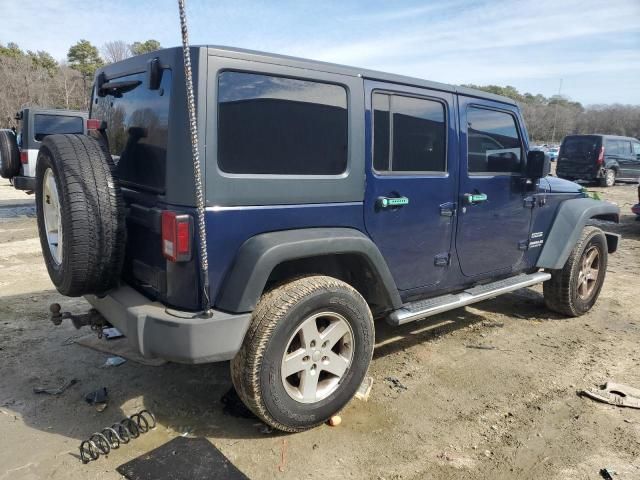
466	413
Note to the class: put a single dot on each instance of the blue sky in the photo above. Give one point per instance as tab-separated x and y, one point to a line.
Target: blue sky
594	46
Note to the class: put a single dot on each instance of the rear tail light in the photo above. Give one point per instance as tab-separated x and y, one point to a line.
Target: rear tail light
600	160
24	158
177	235
93	124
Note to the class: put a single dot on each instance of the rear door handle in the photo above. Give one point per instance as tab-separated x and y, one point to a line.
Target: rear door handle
392	202
474	198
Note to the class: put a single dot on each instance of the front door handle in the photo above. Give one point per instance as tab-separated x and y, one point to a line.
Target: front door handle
474	198
392	202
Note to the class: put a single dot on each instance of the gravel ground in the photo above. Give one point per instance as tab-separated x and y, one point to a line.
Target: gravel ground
510	412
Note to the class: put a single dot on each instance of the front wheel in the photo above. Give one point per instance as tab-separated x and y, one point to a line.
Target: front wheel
574	289
305	354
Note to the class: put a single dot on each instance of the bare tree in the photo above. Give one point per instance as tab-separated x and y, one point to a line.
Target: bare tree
115	51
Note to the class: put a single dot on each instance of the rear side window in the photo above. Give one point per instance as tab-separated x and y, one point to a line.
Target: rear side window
493	142
137	122
409	134
270	125
44	125
617	147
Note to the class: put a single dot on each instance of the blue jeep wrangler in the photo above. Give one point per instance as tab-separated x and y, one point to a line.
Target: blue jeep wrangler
334	196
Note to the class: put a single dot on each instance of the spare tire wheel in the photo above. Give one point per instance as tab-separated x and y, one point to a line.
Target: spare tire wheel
81	219
9	154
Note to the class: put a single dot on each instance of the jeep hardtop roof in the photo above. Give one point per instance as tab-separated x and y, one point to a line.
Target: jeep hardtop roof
53	111
124	67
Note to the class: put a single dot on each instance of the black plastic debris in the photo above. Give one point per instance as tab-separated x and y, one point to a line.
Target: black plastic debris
182	457
98	398
607	473
55	390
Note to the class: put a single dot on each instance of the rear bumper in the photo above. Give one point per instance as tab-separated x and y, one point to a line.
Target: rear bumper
24	183
178	336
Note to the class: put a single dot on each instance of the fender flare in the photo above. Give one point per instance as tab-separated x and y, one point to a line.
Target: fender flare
570	219
259	255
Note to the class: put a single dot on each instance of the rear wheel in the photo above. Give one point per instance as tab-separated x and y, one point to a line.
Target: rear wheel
575	289
609	179
9	155
305	354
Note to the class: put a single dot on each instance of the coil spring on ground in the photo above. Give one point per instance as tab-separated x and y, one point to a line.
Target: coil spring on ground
110	438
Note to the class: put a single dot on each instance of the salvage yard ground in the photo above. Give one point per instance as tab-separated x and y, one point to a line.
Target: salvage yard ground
438	409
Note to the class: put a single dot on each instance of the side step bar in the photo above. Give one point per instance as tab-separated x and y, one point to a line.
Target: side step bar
432	306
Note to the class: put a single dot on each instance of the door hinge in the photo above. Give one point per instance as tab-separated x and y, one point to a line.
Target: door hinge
448	209
442	259
523	244
529	202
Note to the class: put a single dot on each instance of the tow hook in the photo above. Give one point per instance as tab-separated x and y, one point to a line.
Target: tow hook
92	318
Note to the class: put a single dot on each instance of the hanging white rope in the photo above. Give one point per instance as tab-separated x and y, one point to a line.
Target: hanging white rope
197	170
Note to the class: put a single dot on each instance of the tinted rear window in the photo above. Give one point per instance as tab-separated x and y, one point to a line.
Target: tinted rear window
417	134
270	125
137	122
44	125
580	145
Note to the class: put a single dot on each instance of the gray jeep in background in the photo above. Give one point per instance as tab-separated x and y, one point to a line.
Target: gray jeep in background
19	149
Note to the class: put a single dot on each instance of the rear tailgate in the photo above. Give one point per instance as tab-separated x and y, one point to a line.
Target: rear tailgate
134	121
578	156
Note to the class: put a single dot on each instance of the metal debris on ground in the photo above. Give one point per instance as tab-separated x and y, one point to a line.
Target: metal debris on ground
111	333
56	390
365	389
615	394
113	362
192	458
110	438
396	384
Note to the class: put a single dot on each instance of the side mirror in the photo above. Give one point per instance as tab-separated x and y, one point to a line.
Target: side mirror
538	165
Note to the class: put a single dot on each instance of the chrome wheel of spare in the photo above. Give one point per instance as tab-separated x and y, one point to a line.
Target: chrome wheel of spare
317	357
588	275
52	216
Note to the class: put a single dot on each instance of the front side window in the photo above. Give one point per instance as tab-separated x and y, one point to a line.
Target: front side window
409	134
636	148
270	125
44	125
493	142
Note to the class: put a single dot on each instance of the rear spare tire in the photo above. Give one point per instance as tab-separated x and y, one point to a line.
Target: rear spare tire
80	215
9	155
